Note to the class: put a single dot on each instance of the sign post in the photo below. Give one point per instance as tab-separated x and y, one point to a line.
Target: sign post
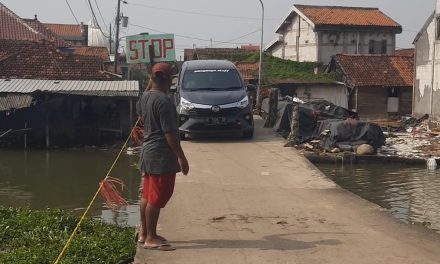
150	48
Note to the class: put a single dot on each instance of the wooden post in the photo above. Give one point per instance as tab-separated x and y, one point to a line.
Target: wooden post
131	115
273	108
25	136
292	139
121	116
47	135
151	51
47	124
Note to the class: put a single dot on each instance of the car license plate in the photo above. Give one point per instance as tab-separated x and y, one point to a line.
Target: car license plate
216	121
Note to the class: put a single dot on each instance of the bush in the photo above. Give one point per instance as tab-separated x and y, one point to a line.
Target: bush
29	236
279	69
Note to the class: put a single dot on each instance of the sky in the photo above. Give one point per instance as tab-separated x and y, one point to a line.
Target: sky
229	23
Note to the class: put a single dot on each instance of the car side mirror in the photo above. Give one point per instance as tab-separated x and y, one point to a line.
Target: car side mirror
251	88
173	89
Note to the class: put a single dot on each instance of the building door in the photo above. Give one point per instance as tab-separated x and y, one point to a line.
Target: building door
393	100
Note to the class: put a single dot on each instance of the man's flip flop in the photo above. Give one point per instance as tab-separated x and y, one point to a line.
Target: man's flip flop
161	247
140	241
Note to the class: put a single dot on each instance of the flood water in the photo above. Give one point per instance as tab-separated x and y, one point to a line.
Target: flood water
412	194
67	180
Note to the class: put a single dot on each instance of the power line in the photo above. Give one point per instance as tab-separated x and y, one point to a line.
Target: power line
93	13
196	13
73	14
163	32
237	38
95	19
100	14
193	38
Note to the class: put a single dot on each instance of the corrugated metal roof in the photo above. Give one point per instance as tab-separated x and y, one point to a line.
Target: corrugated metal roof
88	88
14	101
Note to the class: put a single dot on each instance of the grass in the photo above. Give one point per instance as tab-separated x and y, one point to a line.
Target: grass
279	69
29	236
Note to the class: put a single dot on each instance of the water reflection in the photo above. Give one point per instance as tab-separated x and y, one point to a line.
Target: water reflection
412	194
67	180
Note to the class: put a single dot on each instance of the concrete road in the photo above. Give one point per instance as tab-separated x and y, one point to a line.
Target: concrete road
257	202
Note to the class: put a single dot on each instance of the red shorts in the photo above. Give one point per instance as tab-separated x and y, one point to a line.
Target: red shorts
158	189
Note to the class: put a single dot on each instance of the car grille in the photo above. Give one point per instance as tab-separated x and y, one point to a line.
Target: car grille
209	113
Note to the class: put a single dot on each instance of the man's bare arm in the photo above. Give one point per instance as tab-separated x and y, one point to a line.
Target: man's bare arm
174	143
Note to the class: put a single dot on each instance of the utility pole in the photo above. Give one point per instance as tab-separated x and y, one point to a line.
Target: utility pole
260	70
118	21
110	44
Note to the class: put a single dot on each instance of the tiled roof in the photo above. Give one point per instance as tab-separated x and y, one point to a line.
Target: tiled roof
339	16
4	56
251	48
100	52
249	71
34	60
65	30
404	52
13	27
43	29
219	53
347	16
377	70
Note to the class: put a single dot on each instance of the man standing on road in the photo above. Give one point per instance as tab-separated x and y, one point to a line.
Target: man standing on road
162	156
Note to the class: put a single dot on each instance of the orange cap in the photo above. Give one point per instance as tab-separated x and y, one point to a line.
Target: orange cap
162	67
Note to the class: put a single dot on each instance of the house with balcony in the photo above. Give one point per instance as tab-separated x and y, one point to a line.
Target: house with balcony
316	33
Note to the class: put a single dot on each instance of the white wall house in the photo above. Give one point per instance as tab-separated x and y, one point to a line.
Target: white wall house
315	33
426	95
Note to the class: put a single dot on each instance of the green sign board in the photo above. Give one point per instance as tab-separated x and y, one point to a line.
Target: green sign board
150	48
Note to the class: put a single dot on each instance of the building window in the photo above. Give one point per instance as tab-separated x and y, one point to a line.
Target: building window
393	100
384	46
393	92
371	47
377	47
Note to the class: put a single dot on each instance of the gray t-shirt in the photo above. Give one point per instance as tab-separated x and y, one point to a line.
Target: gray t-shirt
159	115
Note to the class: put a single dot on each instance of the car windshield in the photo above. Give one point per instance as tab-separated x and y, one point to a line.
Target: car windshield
211	80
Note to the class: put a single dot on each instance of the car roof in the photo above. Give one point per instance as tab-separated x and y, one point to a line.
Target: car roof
208	65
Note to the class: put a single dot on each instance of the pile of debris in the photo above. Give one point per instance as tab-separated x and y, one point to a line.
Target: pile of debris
350	135
414	139
321	126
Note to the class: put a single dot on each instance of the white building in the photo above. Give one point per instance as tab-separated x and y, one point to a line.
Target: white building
427	68
315	33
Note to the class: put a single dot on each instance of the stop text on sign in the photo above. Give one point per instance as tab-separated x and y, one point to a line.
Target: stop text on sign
162	48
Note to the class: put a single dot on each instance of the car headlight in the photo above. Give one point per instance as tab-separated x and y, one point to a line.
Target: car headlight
243	103
186	105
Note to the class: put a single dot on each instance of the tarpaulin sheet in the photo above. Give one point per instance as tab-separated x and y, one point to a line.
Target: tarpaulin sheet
349	132
308	116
